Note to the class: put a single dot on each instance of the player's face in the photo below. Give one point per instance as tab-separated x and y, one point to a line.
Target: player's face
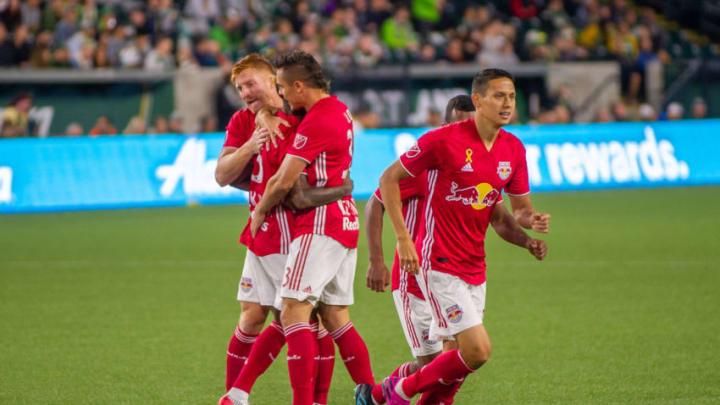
255	87
458	115
289	91
497	104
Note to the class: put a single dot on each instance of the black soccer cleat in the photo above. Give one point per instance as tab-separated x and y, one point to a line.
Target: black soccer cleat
363	394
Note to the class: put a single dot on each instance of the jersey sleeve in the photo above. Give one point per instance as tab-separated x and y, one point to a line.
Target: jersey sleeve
309	142
519	184
424	154
238	130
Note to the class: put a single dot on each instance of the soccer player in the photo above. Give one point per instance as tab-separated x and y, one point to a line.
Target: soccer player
414	312
321	263
254	77
468	164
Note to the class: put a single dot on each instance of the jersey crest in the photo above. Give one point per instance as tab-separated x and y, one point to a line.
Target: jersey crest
300	141
504	170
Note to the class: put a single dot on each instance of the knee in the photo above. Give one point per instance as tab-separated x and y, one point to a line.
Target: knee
476	355
252	318
333	317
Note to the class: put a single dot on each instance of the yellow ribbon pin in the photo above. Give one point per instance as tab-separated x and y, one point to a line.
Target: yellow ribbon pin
468	155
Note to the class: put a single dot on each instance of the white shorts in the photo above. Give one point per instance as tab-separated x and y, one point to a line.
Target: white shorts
261	279
455	305
415	318
319	268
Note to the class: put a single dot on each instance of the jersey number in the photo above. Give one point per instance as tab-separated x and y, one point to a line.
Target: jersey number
258	178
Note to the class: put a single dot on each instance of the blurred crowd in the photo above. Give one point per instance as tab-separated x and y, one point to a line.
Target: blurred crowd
164	35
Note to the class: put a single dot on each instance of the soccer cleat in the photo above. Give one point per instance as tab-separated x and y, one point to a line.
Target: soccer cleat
226	400
363	394
392	397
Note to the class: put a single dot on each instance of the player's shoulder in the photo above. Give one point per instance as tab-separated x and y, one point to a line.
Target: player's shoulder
510	139
241	118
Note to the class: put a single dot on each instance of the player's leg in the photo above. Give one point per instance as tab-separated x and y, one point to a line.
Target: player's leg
336	296
458	310
444	393
415	318
325	364
302	349
252	319
268	277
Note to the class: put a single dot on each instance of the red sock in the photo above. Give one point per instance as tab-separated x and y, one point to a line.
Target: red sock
354	354
263	353
443	393
237	352
404	370
326	363
377	394
447	366
302	349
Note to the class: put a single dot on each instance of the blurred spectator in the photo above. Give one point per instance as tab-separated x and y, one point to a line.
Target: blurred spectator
398	32
176	123
365	118
160	126
427	54
647	112
11	14
67	25
524	9
208	124
30	10
699	108
434	118
675	111
103	126
74	129
15	122
620	111
603	114
133	54
136	126
368	53
161	58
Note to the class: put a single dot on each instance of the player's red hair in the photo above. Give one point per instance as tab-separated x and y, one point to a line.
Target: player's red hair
251	61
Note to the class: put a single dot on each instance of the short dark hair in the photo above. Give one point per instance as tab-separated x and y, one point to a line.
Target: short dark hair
462	102
302	66
481	79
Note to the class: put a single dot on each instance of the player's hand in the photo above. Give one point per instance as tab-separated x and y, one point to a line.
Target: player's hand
348	185
259	138
256	222
378	276
540	222
272	123
407	254
537	248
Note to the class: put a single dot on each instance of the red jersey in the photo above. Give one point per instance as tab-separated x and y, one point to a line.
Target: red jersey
324	139
465	181
275	233
412	194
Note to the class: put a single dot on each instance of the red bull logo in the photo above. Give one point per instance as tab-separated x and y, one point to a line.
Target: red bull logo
246	284
426	337
454	313
480	196
504	170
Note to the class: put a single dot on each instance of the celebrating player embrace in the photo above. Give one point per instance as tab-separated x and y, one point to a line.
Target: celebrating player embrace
468	165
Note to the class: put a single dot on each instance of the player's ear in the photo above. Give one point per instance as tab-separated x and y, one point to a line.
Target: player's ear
476	100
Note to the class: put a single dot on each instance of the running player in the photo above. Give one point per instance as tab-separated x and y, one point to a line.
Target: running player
321	264
468	165
254	77
413	311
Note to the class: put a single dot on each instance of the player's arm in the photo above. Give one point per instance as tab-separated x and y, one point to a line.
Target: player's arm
233	161
303	196
390	191
278	186
509	229
526	215
378	276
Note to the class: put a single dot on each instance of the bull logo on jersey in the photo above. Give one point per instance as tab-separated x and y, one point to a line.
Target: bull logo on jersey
426	337
454	313
480	196
246	284
413	152
300	141
504	170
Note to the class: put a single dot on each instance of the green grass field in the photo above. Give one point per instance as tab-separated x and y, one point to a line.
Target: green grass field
137	306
